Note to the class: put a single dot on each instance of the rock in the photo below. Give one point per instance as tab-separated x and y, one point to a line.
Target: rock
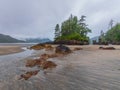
37	47
107	48
30	63
36	62
77	48
45	56
48	47
29	74
48	64
61	49
53	55
42	46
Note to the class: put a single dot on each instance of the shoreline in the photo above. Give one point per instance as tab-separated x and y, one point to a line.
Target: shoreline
11	49
6	50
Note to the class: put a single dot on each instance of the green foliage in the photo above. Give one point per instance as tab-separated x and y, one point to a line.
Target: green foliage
113	35
57	31
73	29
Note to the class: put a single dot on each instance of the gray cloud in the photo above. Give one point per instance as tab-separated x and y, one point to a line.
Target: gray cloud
99	13
37	18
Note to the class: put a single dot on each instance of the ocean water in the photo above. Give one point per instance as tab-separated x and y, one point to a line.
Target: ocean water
18	44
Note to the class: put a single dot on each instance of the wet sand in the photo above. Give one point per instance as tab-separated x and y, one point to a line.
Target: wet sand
4	50
87	69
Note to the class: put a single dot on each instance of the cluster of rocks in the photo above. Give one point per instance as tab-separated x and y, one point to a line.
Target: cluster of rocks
43	61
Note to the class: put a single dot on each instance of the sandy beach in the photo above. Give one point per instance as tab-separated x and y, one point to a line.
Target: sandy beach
86	69
4	50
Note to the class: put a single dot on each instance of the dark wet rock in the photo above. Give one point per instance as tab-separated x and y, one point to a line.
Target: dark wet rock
36	62
42	62
107	48
48	64
29	74
77	48
45	56
61	49
30	63
54	55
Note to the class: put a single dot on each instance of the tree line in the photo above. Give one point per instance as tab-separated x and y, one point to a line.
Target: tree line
76	29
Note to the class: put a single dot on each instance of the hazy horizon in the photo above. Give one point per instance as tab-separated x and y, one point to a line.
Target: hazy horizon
28	18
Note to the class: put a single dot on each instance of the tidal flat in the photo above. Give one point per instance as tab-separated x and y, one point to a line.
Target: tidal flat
87	69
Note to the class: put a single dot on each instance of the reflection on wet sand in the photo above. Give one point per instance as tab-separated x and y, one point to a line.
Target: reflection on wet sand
86	69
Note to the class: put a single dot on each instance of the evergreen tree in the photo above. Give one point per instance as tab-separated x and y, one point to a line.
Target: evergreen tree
57	32
84	29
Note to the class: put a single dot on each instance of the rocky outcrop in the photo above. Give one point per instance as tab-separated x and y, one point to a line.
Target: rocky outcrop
61	49
107	48
48	47
46	56
48	64
77	48
42	46
36	62
29	74
71	42
43	61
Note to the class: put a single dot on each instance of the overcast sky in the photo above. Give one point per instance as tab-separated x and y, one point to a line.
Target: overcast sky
37	18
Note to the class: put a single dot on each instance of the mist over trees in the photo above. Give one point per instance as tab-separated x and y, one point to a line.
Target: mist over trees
72	29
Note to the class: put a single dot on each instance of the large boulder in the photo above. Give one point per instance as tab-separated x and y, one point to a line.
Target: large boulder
61	49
